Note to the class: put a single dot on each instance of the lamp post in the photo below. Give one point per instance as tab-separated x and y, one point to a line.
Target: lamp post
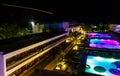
33	25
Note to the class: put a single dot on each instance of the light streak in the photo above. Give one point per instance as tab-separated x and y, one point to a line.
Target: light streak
27	8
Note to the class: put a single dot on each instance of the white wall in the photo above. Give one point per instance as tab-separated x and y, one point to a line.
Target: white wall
2	66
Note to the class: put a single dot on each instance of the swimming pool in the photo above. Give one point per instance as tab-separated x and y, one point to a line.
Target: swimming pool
104	43
102	66
98	35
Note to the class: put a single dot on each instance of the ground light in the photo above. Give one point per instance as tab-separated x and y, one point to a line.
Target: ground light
76	47
64	67
68	40
61	66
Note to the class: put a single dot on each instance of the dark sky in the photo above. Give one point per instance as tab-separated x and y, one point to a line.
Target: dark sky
63	10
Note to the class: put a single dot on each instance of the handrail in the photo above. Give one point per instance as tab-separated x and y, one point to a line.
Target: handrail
9	55
35	56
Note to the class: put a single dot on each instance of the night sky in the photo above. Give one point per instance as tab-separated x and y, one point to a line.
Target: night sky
88	11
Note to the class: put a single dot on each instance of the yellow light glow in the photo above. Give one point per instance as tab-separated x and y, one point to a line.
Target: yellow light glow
94	26
57	68
64	67
75	47
82	31
83	38
105	30
78	42
68	40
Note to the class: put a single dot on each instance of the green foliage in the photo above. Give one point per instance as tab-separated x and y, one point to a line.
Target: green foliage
101	24
12	30
23	31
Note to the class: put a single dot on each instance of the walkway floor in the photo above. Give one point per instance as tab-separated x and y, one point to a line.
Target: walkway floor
52	64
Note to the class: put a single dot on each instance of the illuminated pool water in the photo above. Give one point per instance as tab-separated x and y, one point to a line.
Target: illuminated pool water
102	66
104	43
98	35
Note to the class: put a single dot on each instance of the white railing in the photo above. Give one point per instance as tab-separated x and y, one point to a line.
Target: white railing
35	56
16	52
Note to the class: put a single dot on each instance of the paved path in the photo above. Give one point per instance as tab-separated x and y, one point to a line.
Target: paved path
52	64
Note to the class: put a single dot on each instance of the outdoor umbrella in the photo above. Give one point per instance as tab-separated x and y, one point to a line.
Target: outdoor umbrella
99	69
116	64
114	71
